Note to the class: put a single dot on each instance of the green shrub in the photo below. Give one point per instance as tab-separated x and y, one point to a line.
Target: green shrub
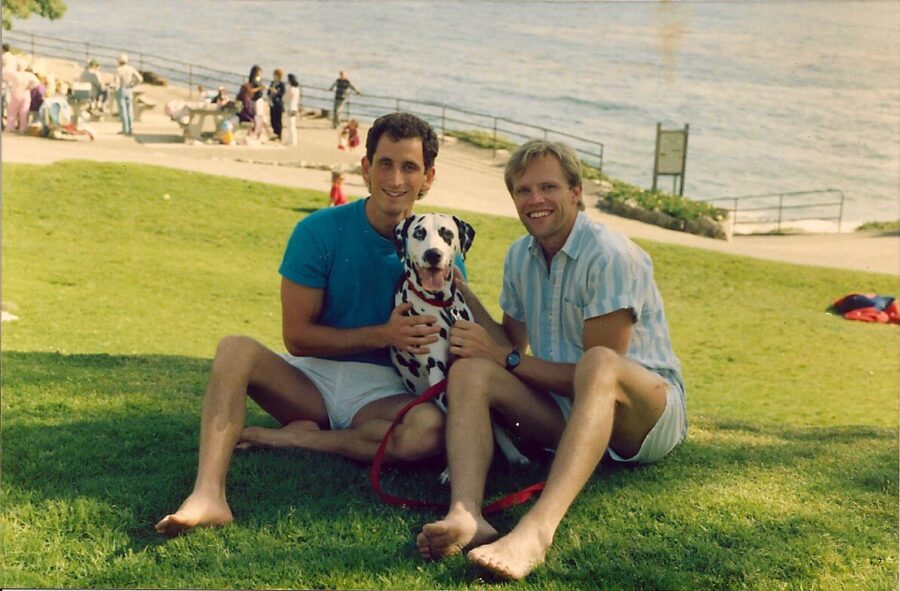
483	139
674	205
880	227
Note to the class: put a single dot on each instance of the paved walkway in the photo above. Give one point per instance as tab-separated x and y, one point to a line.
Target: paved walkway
467	178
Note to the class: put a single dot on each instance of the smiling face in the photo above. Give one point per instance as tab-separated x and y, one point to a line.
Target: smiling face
546	204
396	177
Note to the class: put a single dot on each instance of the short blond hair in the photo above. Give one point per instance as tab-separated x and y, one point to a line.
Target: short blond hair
568	160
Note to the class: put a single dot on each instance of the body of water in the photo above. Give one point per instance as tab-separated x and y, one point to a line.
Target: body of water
780	96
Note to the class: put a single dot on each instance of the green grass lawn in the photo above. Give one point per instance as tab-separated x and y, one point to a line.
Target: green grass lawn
788	479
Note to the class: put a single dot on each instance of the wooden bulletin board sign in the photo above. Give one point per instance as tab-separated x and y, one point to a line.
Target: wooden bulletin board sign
671	154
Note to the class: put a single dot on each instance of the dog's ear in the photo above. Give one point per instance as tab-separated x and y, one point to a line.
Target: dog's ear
466	235
400	235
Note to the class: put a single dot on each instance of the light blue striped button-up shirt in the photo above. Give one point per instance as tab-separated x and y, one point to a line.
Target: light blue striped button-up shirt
598	271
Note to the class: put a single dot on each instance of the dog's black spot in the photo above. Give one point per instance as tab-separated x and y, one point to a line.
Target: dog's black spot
443	333
465	314
413	366
410	386
442	366
431	363
447	235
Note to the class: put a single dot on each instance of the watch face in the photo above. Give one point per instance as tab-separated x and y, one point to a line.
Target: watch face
513	359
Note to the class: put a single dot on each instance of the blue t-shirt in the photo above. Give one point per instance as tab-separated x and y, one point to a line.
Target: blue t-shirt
338	250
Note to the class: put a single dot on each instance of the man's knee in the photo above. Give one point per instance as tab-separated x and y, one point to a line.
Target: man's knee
597	372
236	351
420	435
470	377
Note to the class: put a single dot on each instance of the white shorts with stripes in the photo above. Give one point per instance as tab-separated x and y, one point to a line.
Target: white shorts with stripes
667	434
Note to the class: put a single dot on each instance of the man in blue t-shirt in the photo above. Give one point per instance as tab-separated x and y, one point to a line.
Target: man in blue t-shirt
335	390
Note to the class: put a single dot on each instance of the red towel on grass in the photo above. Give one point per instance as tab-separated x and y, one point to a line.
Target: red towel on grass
868	307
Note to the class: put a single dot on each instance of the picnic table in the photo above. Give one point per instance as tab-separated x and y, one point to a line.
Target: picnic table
205	119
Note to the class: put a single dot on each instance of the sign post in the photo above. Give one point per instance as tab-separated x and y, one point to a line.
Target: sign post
670	157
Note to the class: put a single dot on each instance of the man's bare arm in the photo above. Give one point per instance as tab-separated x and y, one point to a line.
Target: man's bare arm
303	336
479	312
610	330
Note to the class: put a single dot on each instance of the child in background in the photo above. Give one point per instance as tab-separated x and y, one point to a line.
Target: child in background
349	136
337	196
353	134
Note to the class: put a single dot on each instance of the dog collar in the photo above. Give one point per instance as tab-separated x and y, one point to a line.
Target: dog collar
428	300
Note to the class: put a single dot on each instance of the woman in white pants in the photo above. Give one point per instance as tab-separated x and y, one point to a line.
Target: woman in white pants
292	100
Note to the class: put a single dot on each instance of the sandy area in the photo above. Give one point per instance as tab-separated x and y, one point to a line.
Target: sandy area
467	178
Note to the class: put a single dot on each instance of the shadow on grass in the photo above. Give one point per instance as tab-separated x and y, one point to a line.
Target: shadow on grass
304	210
117	436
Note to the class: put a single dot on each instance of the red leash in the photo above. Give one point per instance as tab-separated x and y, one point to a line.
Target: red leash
510	500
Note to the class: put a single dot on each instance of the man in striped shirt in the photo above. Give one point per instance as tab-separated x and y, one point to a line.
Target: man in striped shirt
601	377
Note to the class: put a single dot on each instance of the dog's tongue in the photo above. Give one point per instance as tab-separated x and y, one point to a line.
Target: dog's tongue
433	279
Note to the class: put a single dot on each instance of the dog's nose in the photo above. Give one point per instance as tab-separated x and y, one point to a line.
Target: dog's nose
432	256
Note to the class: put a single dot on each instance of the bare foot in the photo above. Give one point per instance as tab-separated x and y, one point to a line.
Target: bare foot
452	534
514	555
293	434
195	511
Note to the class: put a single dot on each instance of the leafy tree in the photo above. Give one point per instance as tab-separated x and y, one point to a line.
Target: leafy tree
52	9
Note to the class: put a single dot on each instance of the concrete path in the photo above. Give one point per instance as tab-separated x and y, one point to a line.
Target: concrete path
467	178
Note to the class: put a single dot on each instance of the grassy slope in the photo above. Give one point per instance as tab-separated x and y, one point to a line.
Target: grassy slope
788	478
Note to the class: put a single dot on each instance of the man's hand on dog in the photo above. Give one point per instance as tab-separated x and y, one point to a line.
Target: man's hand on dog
469	339
411	333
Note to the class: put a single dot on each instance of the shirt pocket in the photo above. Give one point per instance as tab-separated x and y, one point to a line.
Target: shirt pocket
572	322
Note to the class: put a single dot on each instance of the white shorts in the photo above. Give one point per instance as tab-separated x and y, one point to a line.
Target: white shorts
667	434
347	386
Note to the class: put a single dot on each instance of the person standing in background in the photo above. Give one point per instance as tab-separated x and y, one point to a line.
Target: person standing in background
20	82
341	87
276	101
125	80
292	98
247	95
8	68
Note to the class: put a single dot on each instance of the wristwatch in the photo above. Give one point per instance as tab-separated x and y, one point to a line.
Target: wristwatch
513	359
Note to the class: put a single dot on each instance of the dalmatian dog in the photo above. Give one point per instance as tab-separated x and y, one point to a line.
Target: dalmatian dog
429	245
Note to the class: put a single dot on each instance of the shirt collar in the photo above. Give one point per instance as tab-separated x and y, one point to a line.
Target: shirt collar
573	242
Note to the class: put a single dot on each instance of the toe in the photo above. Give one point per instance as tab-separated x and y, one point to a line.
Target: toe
424	546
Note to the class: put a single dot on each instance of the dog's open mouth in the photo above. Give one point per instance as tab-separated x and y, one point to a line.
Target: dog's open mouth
434	278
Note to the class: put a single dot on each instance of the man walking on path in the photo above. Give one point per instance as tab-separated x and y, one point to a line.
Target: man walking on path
341	87
335	390
602	377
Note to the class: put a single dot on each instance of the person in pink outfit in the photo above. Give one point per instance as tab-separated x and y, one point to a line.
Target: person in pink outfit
20	85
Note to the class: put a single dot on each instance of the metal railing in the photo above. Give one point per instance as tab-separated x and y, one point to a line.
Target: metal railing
443	118
775	208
